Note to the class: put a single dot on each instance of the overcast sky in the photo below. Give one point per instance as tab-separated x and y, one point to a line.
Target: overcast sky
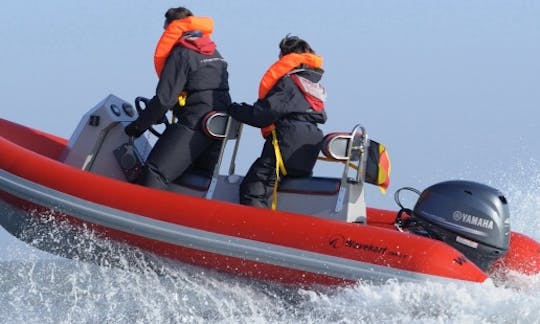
451	87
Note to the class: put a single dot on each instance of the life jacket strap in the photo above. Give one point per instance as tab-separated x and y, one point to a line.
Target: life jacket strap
182	98
181	102
280	167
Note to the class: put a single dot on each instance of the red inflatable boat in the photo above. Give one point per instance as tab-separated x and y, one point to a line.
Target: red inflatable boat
321	233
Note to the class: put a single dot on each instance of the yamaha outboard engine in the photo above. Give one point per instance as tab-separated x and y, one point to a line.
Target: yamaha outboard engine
471	217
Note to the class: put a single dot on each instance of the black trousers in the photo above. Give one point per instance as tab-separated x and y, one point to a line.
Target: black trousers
300	144
179	148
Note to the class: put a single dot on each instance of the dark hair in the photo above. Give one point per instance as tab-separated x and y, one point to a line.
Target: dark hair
294	44
176	13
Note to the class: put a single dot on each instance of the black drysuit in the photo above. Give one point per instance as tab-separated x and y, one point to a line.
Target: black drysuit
297	131
184	144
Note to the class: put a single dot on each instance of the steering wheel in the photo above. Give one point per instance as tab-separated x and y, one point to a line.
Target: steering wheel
145	101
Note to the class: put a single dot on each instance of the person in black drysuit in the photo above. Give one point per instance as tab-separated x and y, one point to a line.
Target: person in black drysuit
183	144
296	124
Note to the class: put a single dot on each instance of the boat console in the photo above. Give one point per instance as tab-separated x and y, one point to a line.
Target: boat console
99	145
99	133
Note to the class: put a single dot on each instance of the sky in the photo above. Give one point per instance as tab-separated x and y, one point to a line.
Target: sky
452	88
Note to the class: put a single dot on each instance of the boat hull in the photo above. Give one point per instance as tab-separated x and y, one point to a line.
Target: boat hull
46	209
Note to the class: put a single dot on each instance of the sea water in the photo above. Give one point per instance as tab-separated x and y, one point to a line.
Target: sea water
36	287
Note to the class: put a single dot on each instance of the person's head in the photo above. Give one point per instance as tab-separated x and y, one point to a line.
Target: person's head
294	44
176	13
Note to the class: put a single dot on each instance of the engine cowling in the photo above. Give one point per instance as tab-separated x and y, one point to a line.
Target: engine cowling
471	217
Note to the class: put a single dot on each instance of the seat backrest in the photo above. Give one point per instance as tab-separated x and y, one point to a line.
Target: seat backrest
221	126
336	146
351	150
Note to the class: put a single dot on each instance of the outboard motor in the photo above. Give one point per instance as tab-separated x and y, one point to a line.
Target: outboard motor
471	217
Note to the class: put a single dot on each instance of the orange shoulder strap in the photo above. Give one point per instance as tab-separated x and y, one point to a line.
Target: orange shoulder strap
283	66
172	34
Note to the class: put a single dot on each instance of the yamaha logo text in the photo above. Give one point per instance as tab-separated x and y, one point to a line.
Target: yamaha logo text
473	220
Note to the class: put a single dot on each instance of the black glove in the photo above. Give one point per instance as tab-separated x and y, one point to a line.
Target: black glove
133	130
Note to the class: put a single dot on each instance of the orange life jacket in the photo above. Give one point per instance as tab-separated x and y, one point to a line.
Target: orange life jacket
172	34
279	69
